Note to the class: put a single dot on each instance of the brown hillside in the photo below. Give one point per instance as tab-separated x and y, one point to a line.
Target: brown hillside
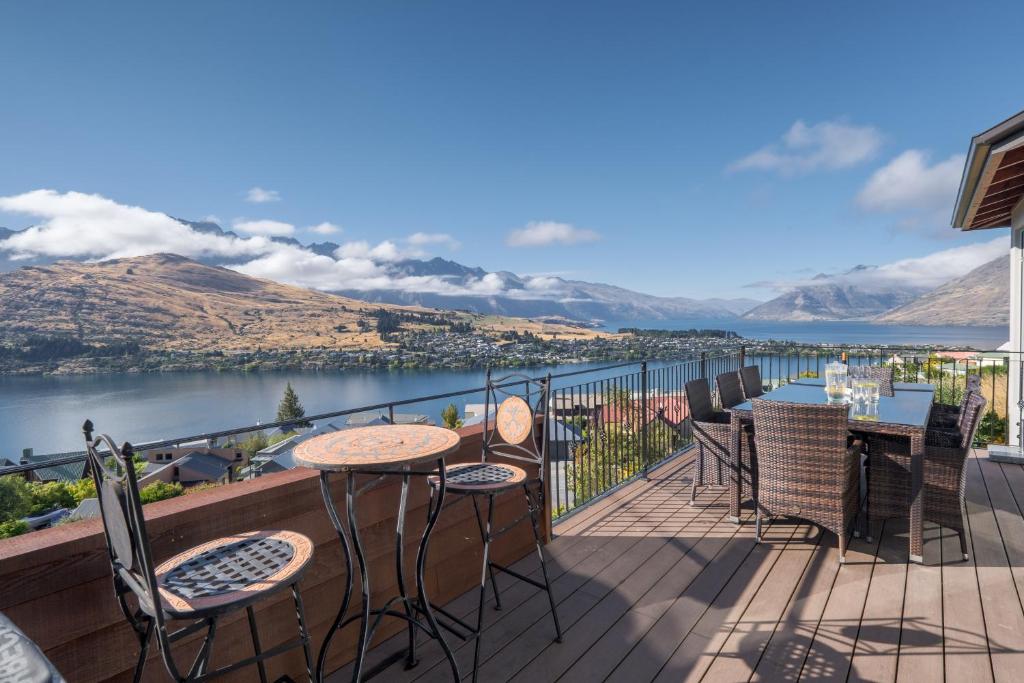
168	302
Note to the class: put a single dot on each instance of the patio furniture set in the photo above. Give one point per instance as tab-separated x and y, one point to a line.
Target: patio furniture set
203	584
795	453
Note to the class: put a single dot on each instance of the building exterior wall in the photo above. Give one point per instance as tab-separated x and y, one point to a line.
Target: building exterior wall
1016	322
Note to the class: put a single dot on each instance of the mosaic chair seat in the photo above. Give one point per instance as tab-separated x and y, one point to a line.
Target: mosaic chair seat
201	584
510	434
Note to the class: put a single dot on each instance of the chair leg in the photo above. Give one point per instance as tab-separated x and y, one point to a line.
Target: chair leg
300	612
260	664
962	532
697	472
483	538
757	526
144	640
842	547
543	561
486	532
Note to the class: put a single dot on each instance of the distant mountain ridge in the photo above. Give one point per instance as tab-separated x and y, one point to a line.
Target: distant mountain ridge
571	299
981	297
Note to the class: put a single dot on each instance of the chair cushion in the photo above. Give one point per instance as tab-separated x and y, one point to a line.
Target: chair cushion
481	477
21	660
231	572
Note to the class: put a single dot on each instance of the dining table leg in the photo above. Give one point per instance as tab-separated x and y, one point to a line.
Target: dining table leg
917	497
339	527
735	477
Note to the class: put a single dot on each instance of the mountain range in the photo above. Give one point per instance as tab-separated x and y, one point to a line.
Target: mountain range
978	298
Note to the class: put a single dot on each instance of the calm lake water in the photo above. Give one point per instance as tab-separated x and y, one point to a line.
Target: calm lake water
46	413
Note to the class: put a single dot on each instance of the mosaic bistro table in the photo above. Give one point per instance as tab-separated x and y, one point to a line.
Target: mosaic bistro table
386	450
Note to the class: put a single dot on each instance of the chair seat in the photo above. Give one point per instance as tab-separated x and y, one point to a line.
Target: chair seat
481	477
231	572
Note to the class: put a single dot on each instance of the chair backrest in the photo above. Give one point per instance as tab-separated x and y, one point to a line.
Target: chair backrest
881	374
117	489
730	392
750	378
517	402
972	385
970	418
698	400
795	439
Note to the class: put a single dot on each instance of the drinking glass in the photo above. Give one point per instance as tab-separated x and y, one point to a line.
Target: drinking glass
835	381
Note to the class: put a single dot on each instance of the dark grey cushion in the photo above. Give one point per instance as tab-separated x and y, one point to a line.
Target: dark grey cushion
21	660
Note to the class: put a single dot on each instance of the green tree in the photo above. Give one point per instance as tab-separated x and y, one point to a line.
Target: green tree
256	442
450	417
15	498
290	409
50	496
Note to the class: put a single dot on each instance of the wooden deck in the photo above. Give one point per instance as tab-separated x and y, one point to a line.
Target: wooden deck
650	588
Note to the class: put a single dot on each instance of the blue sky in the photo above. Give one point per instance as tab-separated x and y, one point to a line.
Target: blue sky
626	125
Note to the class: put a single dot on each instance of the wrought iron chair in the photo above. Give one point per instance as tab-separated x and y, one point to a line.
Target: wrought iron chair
712	431
945	473
750	378
199	585
511	435
807	470
730	391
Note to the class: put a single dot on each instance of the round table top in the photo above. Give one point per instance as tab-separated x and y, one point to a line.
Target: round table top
381	446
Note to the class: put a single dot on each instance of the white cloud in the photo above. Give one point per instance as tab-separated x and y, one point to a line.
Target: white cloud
422	239
264	227
74	224
908	182
258	195
542	283
212	218
325	228
922	272
541	233
385	251
827	145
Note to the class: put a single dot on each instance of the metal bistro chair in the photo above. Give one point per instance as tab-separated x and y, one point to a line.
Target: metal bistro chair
807	470
730	391
512	435
712	431
750	378
201	584
945	473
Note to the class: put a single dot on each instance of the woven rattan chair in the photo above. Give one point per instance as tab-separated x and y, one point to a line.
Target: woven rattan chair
199	585
947	416
750	378
509	435
881	374
945	473
730	391
712	431
807	470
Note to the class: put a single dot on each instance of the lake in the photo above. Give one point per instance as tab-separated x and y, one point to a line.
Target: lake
46	413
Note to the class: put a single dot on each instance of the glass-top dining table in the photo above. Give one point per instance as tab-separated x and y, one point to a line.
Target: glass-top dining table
904	414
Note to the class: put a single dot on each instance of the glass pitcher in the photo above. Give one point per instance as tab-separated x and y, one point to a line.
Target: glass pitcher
835	381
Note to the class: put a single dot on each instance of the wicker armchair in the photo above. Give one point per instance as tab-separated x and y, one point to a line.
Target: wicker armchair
730	391
945	473
947	416
881	374
806	468
750	378
712	431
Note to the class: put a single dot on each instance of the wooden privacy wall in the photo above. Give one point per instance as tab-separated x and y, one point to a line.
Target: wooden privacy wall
55	584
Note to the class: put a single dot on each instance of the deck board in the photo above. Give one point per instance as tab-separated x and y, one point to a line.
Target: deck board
650	588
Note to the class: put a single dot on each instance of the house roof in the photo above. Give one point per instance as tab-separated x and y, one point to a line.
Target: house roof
69	472
203	464
372	417
992	183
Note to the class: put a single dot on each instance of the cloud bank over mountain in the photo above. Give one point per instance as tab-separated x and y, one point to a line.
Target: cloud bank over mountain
92	227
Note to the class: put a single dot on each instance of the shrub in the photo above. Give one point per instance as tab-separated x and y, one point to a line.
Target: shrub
50	496
160	490
14	527
15	498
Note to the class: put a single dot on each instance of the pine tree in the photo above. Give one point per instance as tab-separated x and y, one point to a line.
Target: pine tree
450	417
290	409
